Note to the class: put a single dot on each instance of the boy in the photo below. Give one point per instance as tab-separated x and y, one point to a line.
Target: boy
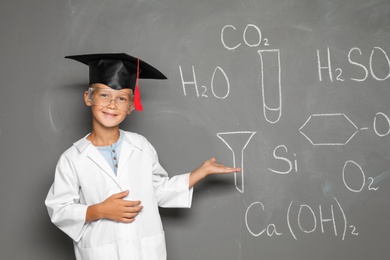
109	184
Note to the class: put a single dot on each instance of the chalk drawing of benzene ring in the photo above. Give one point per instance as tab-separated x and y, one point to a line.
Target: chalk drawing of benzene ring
331	120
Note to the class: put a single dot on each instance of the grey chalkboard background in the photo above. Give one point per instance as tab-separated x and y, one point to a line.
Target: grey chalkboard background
313	140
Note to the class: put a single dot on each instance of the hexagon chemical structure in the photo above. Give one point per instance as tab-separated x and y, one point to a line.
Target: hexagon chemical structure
328	129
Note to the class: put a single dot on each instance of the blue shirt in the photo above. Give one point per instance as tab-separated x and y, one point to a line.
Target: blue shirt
111	152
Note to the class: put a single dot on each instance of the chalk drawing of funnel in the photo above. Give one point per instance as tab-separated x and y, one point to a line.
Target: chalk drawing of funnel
237	142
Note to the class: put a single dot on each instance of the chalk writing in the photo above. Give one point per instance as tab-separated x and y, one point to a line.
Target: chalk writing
336	128
377	54
330	125
247	31
271	228
290	166
236	144
350	164
387	121
204	89
321	129
300	221
271	85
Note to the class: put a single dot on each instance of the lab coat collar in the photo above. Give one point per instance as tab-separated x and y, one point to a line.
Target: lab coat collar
130	142
131	138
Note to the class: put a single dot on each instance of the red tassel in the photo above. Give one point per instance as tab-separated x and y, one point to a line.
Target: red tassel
137	99
137	95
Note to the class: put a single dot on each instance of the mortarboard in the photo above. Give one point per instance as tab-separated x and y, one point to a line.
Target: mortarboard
118	71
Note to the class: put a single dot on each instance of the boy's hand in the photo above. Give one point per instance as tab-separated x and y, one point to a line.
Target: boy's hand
210	167
115	208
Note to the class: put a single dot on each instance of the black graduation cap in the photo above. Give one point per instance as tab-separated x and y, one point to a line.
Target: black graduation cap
118	71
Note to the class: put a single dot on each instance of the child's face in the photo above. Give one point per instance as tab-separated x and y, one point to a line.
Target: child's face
109	107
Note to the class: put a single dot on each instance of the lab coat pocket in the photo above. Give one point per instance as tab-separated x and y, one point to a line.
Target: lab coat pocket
119	250
153	247
103	252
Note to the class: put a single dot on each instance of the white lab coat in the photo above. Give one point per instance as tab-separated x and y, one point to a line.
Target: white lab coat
83	177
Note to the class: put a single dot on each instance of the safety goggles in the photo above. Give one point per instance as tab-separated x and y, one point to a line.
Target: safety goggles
104	96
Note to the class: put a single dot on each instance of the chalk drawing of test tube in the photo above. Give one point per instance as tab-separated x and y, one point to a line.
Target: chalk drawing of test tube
271	88
237	141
